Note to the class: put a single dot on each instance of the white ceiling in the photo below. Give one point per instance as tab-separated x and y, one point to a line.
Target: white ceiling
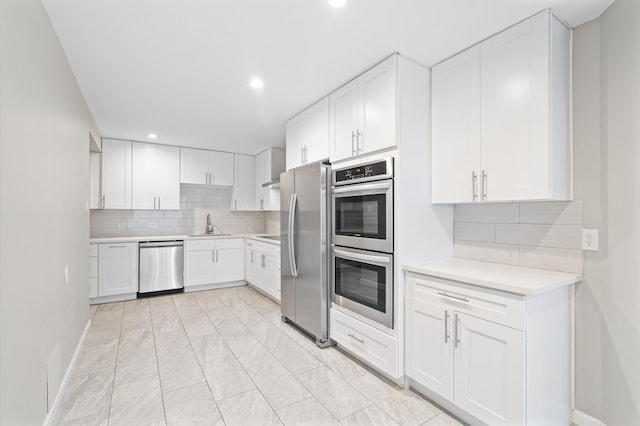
181	68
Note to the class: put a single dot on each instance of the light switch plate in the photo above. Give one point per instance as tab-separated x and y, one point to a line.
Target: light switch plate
590	239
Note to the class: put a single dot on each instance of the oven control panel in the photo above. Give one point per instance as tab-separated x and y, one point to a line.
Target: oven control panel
382	169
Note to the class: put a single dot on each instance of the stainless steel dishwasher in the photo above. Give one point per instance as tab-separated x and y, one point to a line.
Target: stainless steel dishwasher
161	267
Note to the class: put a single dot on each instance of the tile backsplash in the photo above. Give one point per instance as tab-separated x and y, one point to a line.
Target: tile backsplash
195	202
546	235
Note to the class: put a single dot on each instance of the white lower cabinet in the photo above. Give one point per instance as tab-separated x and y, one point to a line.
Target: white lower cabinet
263	267
117	269
500	357
213	261
93	271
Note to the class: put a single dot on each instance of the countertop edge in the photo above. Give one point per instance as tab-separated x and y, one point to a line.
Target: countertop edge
130	239
435	269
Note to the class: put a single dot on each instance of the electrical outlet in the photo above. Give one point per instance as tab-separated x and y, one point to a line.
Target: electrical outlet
590	239
121	225
152	224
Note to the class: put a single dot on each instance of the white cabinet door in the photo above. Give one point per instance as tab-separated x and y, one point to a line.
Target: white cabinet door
144	177
343	121
156	177
194	166
168	177
117	269
489	370
455	128
317	131
244	168
95	196
430	346
272	275
198	267
295	135
116	174
250	264
229	265
377	107
515	111
220	168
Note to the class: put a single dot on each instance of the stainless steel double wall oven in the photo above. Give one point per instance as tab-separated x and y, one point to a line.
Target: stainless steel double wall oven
362	239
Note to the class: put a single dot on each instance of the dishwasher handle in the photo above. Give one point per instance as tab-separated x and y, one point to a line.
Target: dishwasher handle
156	244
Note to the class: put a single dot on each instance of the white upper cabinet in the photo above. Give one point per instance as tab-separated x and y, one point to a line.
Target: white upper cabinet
116	174
308	135
363	113
455	122
203	167
156	177
244	188
269	164
501	117
95	193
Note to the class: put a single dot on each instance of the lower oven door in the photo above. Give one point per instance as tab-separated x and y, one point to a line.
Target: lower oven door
362	282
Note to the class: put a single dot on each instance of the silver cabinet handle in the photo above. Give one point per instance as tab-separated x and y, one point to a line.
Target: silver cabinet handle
451	296
362	257
236	205
446	326
103	200
217	255
262	261
484	185
213	256
261	203
353	143
355	338
474	184
359	142
456	340
159	208
306	154
251	256
117	246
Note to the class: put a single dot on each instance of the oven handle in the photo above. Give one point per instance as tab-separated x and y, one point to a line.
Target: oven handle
362	187
362	257
292	217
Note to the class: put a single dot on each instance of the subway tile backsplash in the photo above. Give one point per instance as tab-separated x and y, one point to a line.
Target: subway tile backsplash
546	235
195	202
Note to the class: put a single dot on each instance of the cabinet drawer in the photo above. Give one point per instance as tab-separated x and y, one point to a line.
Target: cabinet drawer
228	243
375	347
93	267
199	244
93	250
499	307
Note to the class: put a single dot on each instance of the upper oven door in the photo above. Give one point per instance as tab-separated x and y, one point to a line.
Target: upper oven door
363	216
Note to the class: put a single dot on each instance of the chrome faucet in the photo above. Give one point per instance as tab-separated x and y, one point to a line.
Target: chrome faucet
209	228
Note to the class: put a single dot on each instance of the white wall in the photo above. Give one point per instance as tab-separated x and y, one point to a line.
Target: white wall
44	183
607	178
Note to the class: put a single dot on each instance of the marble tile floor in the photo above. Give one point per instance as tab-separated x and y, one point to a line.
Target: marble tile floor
223	357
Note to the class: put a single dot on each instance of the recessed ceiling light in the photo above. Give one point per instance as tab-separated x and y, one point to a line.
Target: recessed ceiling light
337	3
256	83
153	136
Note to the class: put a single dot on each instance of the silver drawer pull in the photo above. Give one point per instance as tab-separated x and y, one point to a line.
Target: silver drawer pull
463	299
117	246
355	338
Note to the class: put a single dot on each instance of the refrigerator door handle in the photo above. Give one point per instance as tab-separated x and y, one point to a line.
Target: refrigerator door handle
292	216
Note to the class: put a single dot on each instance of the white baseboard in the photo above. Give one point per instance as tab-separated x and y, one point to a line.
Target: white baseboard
54	408
583	419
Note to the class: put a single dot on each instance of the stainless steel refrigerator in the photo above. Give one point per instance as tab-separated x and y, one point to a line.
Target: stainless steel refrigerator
304	254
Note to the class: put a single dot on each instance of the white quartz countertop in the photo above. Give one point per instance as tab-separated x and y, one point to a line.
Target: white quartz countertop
509	278
107	240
